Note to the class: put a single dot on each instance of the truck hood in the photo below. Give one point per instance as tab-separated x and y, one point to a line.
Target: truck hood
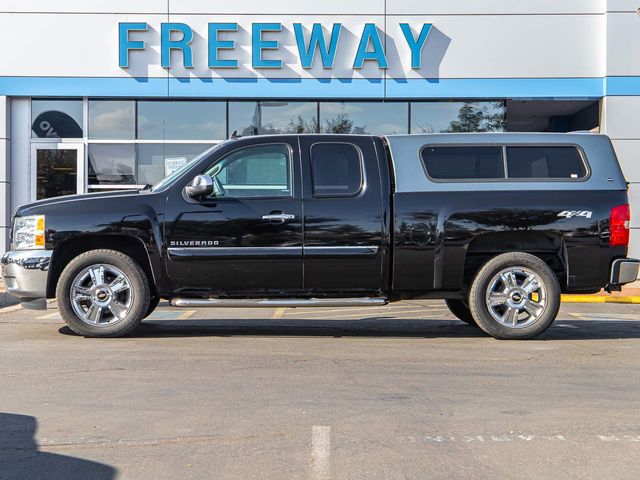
32	208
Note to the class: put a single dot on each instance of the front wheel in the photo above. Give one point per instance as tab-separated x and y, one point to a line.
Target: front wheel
515	296
103	293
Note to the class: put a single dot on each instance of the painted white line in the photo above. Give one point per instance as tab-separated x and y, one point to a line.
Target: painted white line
50	315
320	453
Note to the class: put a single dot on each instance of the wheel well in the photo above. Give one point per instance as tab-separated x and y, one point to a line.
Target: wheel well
543	245
70	249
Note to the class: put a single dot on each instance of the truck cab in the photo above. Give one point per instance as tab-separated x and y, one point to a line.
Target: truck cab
497	225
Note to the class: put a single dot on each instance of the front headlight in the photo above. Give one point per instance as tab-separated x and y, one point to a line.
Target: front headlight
28	232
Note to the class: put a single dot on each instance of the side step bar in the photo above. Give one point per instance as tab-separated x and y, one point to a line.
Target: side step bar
279	302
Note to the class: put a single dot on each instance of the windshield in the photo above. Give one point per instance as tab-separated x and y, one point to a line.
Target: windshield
173	176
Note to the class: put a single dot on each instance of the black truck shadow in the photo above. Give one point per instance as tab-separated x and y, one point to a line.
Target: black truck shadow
370	327
20	458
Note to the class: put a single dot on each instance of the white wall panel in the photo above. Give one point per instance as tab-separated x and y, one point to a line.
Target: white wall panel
85	6
287	7
5	163
634	201
20	153
78	45
288	52
5	214
634	243
628	152
487	7
4	239
458	47
495	46
622	5
623	44
621	117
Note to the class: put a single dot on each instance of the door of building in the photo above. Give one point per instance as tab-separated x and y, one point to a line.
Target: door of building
57	169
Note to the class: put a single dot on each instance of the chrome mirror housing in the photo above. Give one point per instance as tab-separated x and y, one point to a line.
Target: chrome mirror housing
200	186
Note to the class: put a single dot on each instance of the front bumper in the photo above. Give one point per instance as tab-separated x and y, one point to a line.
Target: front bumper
26	272
624	270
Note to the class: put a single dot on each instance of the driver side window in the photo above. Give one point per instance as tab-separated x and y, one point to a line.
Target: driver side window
257	171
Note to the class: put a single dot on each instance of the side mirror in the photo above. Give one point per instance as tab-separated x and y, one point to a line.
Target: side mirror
200	186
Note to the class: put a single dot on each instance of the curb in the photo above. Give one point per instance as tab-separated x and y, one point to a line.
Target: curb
633	299
7	300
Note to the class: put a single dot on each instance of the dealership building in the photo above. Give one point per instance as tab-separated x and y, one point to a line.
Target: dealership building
113	94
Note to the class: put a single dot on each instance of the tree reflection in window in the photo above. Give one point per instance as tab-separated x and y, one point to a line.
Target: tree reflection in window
458	117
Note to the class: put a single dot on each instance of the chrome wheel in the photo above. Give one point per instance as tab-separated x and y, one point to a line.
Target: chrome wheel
101	294
516	297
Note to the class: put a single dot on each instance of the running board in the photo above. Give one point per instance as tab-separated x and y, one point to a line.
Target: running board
279	302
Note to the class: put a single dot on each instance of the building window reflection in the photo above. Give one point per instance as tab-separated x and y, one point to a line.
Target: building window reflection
374	118
112	164
181	120
272	117
458	117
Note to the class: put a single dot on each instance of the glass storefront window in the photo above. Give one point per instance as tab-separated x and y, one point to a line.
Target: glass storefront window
374	118
112	119
56	118
188	120
158	160
112	164
268	117
457	117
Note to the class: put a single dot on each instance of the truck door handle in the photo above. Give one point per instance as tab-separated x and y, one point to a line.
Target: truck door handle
278	217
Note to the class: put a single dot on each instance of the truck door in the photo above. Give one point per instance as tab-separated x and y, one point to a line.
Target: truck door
345	216
246	238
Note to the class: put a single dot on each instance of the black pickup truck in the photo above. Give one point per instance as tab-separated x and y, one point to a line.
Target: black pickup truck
498	225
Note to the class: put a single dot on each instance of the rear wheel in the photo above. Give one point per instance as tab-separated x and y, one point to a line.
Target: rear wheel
103	293
515	296
460	310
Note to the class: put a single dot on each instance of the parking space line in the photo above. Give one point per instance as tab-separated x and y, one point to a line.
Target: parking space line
187	314
320	453
49	316
278	313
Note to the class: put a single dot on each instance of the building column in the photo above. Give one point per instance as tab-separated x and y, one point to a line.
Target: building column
5	173
620	122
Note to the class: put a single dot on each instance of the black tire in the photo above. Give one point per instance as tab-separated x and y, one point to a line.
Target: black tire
532	325
138	289
460	310
153	304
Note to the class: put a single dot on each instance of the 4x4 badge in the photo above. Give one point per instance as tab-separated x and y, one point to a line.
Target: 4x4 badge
575	213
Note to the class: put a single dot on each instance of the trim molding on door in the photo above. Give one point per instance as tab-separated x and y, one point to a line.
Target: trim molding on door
195	253
231	252
347	250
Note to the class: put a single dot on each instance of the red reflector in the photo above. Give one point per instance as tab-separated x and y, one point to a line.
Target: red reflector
619	226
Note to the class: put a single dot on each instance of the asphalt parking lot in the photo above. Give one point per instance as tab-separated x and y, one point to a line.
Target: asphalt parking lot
397	392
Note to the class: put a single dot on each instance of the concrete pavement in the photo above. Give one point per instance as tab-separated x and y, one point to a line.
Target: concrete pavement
403	391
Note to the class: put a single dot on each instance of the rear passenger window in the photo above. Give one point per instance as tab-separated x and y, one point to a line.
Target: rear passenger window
463	163
336	169
545	162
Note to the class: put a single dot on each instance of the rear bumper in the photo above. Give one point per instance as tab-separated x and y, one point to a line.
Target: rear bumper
26	273
623	270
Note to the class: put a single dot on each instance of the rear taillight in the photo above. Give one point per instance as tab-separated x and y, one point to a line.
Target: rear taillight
619	219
